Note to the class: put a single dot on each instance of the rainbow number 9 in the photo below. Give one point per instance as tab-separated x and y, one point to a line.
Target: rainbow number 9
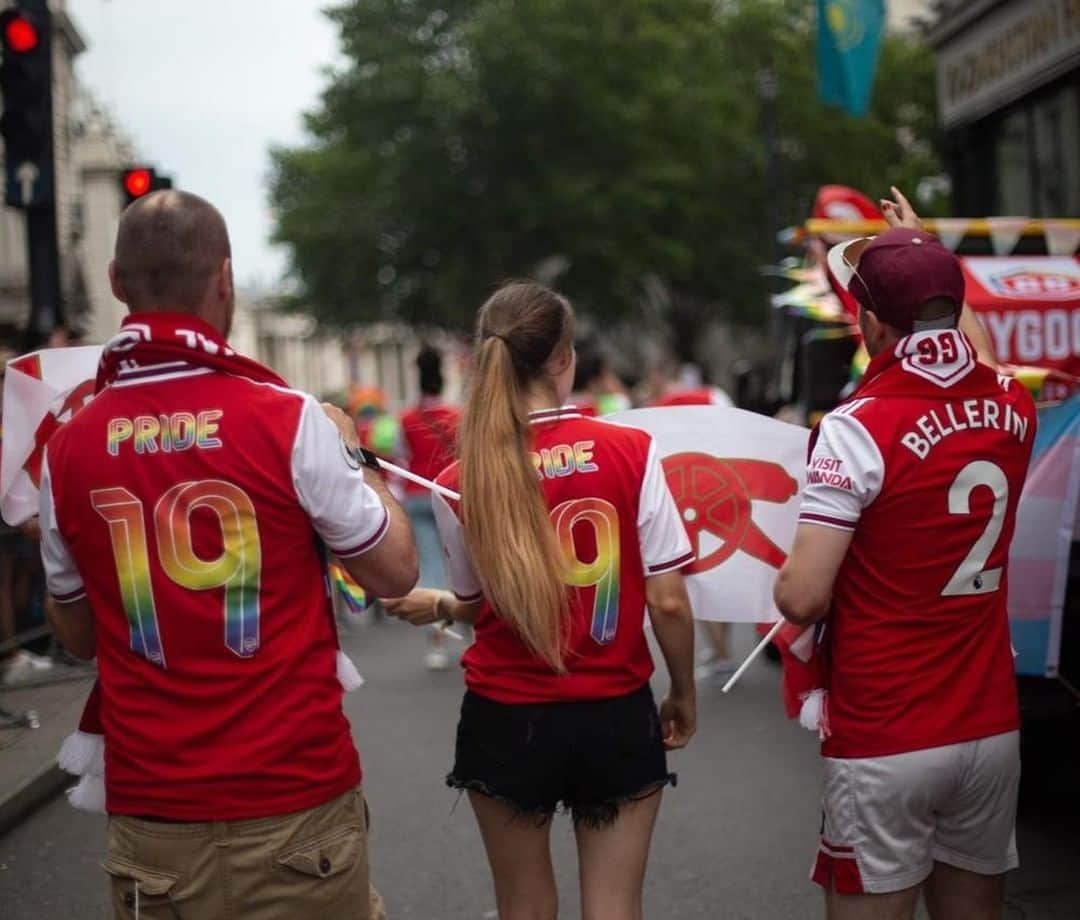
603	571
237	569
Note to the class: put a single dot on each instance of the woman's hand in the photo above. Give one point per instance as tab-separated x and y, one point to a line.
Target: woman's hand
419	607
678	720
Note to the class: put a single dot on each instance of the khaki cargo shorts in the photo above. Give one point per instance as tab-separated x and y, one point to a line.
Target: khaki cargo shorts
310	864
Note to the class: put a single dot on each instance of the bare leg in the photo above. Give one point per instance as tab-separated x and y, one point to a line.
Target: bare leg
719	635
612	862
956	894
896	905
519	852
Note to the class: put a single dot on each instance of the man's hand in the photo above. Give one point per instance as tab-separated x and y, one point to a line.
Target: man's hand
418	607
899	212
344	424
678	720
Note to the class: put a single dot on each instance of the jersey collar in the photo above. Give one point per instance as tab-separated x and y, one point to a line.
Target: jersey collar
543	416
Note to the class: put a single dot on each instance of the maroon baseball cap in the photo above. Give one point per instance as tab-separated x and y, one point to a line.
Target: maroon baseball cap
893	274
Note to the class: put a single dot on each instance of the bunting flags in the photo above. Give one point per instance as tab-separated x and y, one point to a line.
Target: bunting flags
1005	231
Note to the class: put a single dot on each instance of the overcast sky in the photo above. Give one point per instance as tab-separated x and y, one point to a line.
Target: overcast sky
203	88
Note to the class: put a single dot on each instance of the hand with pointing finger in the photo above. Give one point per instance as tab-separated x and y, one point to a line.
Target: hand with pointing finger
899	212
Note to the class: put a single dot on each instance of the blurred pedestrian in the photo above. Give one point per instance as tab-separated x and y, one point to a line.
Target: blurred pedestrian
597	389
428	436
558	709
670	387
901	550
184	513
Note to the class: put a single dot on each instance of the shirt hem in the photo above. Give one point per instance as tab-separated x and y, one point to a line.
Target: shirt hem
275	807
70	597
369	544
677	563
513	698
842	752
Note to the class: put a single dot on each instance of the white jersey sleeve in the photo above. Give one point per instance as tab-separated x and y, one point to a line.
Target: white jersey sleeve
62	578
665	546
344	510
845	472
459	571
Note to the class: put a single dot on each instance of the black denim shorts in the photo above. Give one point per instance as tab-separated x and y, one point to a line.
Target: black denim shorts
586	757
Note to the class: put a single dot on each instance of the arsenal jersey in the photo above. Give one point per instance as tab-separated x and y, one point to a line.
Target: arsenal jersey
191	508
617	523
925	465
428	438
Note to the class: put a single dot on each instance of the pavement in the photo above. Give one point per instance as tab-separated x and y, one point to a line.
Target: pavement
734	840
28	772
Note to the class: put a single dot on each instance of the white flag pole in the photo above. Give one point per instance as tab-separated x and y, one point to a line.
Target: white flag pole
419	480
758	649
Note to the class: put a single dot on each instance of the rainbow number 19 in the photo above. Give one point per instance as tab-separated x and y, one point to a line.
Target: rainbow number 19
603	571
238	569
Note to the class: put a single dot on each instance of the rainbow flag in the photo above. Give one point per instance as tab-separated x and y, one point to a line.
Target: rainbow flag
1039	557
354	596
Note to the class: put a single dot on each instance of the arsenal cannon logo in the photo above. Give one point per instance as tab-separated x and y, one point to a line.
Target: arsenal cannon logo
714	497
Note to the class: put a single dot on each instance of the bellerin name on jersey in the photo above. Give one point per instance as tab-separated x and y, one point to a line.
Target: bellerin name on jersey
179	431
936	425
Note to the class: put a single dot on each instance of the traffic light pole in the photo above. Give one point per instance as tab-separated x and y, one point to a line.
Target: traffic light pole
43	262
42	243
28	128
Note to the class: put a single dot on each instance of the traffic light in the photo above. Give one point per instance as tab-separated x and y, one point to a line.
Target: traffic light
137	181
26	87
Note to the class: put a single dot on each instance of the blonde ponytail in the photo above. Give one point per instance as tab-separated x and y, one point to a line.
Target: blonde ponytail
506	523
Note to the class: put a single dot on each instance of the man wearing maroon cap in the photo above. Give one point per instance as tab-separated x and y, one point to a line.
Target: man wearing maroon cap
901	555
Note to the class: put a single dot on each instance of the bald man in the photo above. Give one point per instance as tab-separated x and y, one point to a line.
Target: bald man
185	514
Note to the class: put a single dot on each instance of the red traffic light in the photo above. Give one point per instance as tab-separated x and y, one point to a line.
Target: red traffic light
20	35
137	182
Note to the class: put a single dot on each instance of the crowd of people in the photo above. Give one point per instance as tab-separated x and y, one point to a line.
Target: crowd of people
185	543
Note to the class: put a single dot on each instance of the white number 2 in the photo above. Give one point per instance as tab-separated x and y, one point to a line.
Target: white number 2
972	577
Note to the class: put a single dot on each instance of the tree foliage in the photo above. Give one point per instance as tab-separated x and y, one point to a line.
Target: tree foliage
604	146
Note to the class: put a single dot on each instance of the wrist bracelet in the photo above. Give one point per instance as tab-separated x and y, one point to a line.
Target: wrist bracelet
446	619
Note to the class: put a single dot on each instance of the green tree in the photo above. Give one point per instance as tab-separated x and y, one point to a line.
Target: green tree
607	145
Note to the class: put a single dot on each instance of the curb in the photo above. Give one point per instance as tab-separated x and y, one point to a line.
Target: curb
32	794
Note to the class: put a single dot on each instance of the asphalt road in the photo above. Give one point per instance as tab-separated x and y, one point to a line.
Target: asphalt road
734	840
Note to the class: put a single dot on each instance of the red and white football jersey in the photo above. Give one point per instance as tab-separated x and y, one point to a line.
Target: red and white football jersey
617	523
190	508
697	396
925	465
428	438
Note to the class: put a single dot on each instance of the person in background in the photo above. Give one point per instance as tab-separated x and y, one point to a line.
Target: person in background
597	389
428	438
185	514
559	710
18	549
670	388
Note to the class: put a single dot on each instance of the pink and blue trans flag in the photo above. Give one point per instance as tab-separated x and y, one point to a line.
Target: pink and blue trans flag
1045	528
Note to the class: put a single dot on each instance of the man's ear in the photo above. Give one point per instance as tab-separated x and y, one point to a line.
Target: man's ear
114	283
225	290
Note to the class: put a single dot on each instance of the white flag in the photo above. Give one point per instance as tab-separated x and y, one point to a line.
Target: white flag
736	477
41	391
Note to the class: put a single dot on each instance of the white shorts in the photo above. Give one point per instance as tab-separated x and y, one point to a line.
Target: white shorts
886	820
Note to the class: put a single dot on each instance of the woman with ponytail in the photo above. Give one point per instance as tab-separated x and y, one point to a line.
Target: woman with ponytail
565	532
